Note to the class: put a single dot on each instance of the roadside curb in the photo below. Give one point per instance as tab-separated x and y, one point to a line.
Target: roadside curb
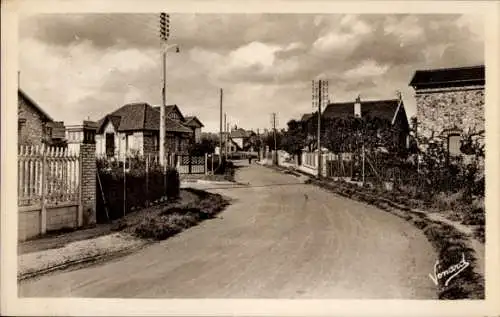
81	262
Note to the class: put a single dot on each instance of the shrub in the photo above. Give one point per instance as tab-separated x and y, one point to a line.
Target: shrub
475	216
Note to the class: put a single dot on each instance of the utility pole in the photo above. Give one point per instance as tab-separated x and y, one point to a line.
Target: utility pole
319	130
320	95
273	121
220	130
226	138
164	35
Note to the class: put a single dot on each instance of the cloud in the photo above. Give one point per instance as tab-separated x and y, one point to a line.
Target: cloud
368	68
94	63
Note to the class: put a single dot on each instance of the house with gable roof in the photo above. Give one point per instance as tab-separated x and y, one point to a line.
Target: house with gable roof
392	110
135	129
35	126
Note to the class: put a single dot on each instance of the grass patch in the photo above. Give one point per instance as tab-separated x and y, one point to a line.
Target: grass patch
161	222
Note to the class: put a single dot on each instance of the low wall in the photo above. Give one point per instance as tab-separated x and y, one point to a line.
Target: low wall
58	217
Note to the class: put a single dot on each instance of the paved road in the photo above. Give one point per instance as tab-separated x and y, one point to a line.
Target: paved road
278	239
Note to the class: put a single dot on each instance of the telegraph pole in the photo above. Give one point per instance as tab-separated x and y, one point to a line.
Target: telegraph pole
220	129
273	122
226	137
319	130
320	95
164	35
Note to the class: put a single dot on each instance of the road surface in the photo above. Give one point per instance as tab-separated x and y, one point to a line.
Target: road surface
280	238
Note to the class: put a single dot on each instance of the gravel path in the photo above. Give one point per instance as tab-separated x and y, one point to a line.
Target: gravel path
40	261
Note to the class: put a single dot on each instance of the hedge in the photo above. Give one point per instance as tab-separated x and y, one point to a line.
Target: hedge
141	187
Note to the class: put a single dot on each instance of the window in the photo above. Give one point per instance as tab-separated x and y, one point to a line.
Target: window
20	128
155	143
454	144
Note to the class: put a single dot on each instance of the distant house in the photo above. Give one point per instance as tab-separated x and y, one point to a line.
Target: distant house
135	129
450	102
35	126
392	110
195	124
242	138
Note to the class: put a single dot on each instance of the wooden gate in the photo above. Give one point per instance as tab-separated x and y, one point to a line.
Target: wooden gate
187	164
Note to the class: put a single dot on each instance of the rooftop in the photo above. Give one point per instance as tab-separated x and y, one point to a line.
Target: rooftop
448	77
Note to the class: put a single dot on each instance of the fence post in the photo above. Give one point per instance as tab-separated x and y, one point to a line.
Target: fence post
43	214
124	186
363	167
165	176
206	163
88	168
147	181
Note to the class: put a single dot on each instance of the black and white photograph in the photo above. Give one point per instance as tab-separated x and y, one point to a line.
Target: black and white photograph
177	154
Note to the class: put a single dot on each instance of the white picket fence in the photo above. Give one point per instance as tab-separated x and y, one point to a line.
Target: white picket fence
47	174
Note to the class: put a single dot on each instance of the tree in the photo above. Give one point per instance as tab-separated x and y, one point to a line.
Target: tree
293	140
207	145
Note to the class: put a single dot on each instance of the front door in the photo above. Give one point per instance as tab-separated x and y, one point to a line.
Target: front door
110	144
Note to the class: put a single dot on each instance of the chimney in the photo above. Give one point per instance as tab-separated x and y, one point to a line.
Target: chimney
357	107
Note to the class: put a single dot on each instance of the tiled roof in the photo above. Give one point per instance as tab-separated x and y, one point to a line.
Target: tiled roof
168	109
306	116
384	109
140	116
176	126
193	121
449	77
238	133
24	95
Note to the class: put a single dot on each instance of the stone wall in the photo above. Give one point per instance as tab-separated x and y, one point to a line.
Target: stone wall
32	131
448	108
88	183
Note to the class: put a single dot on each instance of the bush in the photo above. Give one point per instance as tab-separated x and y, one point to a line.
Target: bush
475	216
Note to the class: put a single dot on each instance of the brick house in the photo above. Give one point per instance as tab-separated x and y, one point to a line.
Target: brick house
392	110
135	129
450	102
35	126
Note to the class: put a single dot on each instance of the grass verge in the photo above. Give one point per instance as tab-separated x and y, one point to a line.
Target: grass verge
162	222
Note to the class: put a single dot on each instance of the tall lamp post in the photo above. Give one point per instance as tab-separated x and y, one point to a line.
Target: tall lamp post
165	47
319	97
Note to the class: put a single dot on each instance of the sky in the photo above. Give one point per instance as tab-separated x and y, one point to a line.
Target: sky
84	66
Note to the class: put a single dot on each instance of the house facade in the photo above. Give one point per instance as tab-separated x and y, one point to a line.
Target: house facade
391	110
195	124
134	129
35	126
242	138
450	102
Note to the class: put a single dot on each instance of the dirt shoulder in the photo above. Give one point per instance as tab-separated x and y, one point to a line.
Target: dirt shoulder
137	229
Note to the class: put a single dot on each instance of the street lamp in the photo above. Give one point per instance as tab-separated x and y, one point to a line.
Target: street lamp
164	35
